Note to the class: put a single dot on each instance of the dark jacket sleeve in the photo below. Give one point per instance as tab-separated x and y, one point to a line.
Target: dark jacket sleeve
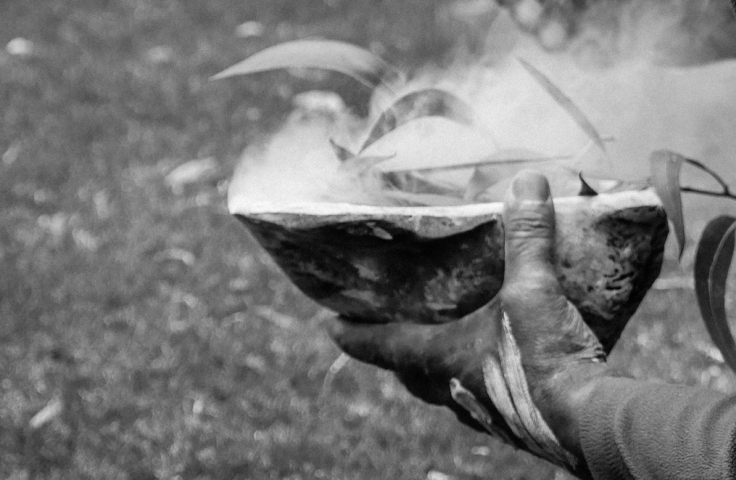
642	430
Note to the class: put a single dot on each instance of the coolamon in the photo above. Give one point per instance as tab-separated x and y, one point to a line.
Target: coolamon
437	264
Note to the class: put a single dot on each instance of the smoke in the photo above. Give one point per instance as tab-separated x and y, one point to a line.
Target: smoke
668	32
648	75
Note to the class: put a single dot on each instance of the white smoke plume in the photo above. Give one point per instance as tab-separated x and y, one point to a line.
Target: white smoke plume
648	75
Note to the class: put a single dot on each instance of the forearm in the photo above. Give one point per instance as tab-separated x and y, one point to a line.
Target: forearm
641	430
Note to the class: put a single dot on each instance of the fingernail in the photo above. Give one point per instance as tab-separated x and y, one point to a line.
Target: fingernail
530	186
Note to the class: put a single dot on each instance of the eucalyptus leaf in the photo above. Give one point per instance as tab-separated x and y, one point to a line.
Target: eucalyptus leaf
665	169
482	179
361	165
490	160
494	168
712	263
429	102
356	62
415	182
585	189
467	400
717	284
422	199
566	103
342	153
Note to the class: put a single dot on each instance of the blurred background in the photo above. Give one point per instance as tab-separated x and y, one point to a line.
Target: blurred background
143	333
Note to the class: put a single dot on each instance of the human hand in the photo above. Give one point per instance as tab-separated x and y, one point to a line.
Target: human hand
520	367
560	356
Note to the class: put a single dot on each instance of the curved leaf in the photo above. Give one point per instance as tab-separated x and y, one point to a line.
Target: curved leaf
496	167
414	182
429	102
422	199
585	189
361	165
490	161
665	170
712	263
566	103
342	153
717	283
481	180
342	57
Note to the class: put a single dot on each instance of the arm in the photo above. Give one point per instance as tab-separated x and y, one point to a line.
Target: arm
633	429
622	428
527	369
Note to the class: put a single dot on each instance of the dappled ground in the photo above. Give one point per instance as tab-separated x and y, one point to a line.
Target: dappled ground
143	334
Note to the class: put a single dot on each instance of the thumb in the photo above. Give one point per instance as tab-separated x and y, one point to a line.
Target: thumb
529	223
542	318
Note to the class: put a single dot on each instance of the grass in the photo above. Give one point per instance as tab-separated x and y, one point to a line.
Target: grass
172	342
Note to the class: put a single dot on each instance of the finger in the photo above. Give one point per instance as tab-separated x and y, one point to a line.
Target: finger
529	223
543	320
445	350
400	348
389	346
531	294
426	358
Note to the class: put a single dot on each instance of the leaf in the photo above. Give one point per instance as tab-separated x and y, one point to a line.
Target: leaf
192	172
701	166
361	165
712	263
665	173
429	102
342	153
467	400
414	182
422	199
508	389
566	103
54	408
342	57
585	189
491	169
481	180
592	161
491	160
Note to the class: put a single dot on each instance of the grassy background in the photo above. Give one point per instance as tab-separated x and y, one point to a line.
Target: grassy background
174	346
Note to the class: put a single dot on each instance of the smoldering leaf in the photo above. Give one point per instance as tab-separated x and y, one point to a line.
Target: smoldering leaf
342	153
362	165
507	160
566	103
415	182
356	62
665	169
482	179
585	189
429	102
501	165
422	199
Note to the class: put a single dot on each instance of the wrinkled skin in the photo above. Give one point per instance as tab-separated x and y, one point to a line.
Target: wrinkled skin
561	356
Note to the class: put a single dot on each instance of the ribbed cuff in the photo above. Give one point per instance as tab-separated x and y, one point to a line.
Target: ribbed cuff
645	430
598	431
